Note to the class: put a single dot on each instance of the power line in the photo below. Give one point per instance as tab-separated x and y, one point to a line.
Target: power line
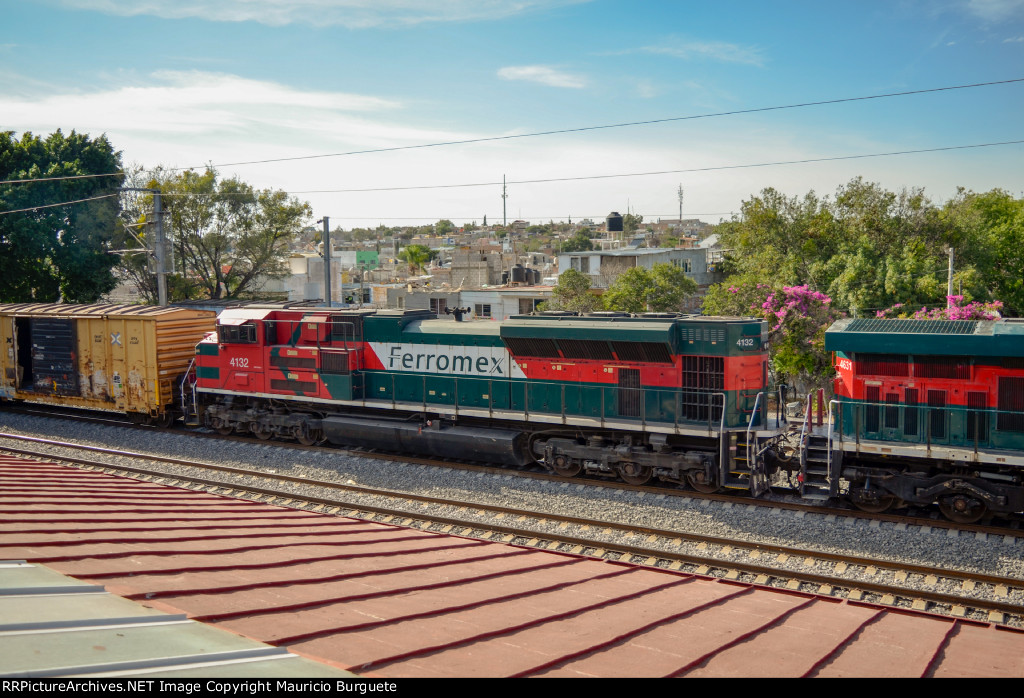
648	122
658	172
63	203
593	177
580	129
61	179
537	217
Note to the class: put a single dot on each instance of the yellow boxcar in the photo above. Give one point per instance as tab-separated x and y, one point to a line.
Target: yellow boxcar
128	358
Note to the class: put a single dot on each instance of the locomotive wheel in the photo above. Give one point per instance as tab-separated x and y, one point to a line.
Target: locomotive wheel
698	481
263	432
634	474
872	501
567	467
306	436
962	508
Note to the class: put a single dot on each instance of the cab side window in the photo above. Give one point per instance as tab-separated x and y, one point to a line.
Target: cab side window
237	334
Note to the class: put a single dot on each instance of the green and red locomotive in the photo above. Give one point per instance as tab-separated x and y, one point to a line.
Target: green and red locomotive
634	396
930	411
925	412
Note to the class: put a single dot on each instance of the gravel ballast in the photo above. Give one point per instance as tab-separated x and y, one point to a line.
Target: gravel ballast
898	543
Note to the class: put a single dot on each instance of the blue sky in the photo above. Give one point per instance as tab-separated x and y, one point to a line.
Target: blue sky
191	82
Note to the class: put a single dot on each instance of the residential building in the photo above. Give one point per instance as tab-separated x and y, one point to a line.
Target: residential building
602	267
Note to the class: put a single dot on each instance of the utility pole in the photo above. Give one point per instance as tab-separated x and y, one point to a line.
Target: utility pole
362	270
504	196
949	279
327	259
158	249
680	205
159	244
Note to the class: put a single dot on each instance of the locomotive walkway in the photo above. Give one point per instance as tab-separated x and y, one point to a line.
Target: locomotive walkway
382	600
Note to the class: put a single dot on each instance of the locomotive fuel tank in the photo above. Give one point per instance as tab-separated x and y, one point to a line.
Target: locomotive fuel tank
435	438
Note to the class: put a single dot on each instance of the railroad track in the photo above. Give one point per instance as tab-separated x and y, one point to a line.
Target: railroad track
962	594
780	499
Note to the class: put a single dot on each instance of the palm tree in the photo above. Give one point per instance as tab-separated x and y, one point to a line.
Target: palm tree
416	256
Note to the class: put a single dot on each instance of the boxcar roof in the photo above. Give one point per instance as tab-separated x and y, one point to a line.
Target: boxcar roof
1004	337
65	310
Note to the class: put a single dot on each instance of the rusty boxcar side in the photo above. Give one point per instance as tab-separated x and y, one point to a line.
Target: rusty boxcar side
126	358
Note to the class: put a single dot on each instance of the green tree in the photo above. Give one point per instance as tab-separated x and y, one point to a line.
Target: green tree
50	253
663	288
227	235
794	237
892	248
988	240
577	243
444	227
572	292
867	249
797	319
631	222
416	256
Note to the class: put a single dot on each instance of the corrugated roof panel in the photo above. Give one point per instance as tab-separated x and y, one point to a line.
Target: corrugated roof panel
895	325
982	338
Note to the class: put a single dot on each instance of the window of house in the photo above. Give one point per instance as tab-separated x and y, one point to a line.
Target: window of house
438	305
528	305
483	310
580	264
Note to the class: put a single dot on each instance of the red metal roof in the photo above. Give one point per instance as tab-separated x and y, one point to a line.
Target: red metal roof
387	601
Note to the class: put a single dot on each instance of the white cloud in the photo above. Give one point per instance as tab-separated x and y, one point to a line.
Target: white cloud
645	89
355	14
996	10
188	102
543	75
721	51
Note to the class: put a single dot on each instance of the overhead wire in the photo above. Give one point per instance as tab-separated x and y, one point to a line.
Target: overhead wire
661	172
63	203
484	139
647	122
591	177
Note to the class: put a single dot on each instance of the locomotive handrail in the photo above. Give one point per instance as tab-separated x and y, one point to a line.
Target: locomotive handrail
959	426
780	405
807	419
650	404
750	425
195	399
831	435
